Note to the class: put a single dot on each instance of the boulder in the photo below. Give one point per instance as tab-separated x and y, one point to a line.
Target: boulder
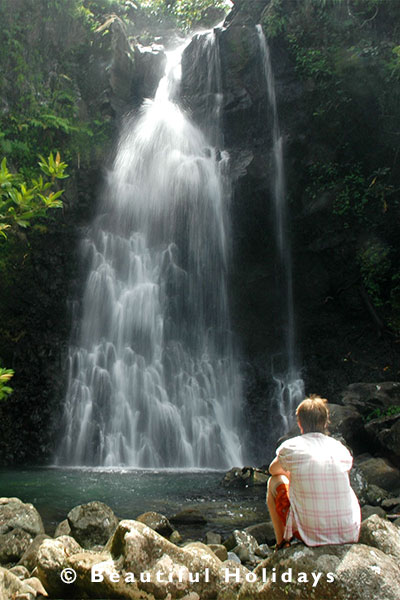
342	572
12	588
157	522
92	523
137	549
20	571
62	528
219	550
15	514
376	495
189	516
368	397
263	532
13	545
244	477
239	539
213	538
385	434
29	557
379	471
53	556
348	422
367	511
381	534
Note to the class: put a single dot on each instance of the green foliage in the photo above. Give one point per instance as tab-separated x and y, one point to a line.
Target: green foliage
375	264
5	376
22	201
378	413
184	14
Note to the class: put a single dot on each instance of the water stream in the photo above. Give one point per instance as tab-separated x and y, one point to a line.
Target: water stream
289	390
153	378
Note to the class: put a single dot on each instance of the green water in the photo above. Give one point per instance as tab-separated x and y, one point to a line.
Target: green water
54	491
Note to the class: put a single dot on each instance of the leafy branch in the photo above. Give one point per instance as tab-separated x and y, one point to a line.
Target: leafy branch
21	201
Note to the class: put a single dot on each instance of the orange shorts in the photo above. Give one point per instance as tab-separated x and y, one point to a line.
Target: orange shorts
282	504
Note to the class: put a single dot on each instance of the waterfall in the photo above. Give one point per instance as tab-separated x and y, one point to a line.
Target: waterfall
289	385
153	379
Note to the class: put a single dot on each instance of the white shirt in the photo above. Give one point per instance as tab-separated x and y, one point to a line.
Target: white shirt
323	507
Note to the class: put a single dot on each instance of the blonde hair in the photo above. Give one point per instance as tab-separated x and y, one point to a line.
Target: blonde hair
313	414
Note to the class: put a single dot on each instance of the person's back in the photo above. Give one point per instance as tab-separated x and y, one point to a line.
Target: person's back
324	508
309	493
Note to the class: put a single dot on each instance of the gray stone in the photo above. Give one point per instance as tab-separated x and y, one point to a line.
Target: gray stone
157	522
92	523
233	557
13	545
15	514
355	568
241	538
62	528
189	516
348	422
263	551
390	503
219	550
29	557
381	534
213	538
379	471
375	495
367	511
263	532
20	571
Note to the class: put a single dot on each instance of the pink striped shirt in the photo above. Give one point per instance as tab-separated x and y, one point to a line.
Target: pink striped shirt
323	507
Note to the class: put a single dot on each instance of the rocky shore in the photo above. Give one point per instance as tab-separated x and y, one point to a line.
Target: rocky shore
94	554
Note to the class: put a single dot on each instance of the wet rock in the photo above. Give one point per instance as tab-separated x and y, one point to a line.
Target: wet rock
359	484
13	545
367	397
62	528
263	532
375	495
36	584
29	557
385	434
381	534
157	522
263	551
149	68
244	477
92	523
233	557
15	514
189	516
241	539
391	503
348	422
367	511
379	471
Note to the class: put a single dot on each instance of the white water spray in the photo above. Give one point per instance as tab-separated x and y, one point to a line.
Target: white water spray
153	379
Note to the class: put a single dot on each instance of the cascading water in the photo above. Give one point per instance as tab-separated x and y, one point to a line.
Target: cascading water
289	385
153	380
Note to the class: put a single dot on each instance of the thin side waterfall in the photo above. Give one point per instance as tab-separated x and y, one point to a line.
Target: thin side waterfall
289	385
153	378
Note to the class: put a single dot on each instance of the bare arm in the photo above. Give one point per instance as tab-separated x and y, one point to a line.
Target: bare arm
275	468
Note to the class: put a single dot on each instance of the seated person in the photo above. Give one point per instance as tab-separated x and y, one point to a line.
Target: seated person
309	494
